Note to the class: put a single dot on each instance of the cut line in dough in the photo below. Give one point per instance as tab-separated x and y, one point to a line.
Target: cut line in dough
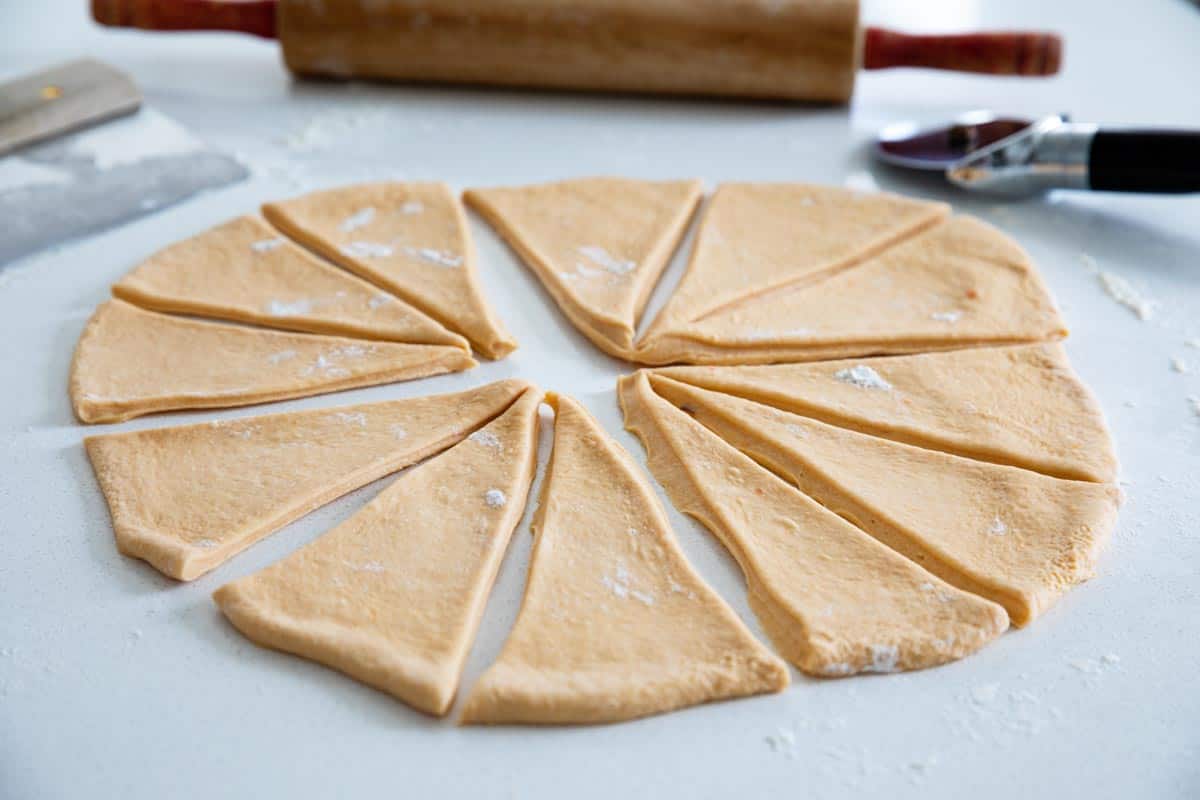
598	245
1022	406
614	624
1014	536
187	498
131	362
393	595
408	238
832	599
246	271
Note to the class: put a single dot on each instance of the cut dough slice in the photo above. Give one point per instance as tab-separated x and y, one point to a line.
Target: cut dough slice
411	239
598	245
393	596
244	270
187	498
131	362
960	284
833	600
1021	406
615	624
1011	535
758	236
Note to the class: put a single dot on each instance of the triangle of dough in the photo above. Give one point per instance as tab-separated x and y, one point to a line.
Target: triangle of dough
394	594
409	238
1014	536
1021	406
758	236
960	284
598	245
244	270
833	600
187	498
615	624
131	362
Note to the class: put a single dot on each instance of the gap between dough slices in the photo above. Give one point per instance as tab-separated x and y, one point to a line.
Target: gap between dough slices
245	270
960	283
755	237
131	362
615	624
832	599
408	238
393	596
1014	536
598	245
1022	406
187	498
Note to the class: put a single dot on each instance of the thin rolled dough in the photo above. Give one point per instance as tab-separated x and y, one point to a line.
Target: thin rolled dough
130	362
187	498
615	624
1011	535
245	270
409	238
598	245
1022	406
833	600
393	595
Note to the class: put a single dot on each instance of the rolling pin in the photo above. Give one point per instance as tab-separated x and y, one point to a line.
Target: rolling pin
782	49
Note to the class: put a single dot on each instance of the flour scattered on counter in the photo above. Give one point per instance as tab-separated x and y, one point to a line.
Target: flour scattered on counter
1192	343
325	130
358	219
1179	365
782	741
602	258
946	316
485	438
494	498
1124	293
863	377
360	249
132	139
267	245
1089	263
1194	400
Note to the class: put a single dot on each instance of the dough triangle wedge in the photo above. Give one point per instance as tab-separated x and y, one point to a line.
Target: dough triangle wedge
959	284
755	237
131	362
598	245
187	498
1016	537
615	624
833	600
1022	405
244	270
408	238
393	595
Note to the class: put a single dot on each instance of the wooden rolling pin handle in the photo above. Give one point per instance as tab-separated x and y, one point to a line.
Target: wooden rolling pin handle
1003	53
244	16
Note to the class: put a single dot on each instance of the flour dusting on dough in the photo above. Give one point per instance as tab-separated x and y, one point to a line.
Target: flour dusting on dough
411	207
997	528
946	316
207	544
494	498
863	377
360	249
378	300
278	308
281	356
267	245
352	418
327	362
602	258
398	432
358	219
619	584
434	256
884	658
485	438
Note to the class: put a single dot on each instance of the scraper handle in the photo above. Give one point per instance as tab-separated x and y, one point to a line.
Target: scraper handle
1028	53
1157	161
256	17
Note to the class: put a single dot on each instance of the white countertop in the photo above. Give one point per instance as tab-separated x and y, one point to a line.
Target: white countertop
117	682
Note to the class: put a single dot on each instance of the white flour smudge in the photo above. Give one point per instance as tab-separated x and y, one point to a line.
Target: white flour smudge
398	432
278	308
267	245
997	528
207	544
281	356
485	438
360	249
494	498
863	377
352	418
358	219
434	256
602	258
946	316
884	658
411	207
1124	293
378	300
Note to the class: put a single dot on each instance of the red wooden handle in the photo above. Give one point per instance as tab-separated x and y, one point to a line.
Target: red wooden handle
1001	53
244	16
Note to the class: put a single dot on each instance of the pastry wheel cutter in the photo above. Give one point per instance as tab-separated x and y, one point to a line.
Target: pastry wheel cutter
983	152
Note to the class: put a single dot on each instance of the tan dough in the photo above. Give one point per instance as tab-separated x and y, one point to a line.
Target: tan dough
598	245
187	498
131	362
244	270
959	284
393	595
1014	536
754	237
409	238
1021	406
615	624
835	601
